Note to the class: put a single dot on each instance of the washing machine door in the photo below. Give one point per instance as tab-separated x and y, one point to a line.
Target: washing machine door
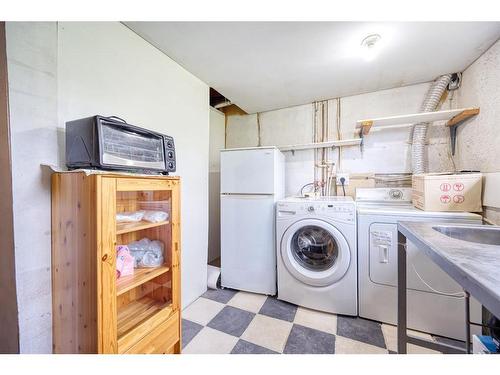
315	252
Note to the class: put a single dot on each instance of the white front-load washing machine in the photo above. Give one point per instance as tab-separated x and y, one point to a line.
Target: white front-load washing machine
316	253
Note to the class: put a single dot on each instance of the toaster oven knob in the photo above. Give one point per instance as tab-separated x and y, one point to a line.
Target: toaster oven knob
170	165
170	155
170	144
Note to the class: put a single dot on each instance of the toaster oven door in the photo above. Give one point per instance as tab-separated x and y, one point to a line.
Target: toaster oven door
127	146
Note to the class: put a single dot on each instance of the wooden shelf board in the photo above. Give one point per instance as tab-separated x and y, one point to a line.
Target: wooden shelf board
307	146
453	116
140	276
462	116
137	312
122	228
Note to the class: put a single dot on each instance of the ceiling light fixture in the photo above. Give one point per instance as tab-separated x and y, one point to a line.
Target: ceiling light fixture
370	46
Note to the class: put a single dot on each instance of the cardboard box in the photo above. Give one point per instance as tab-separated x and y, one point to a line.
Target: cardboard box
447	192
356	180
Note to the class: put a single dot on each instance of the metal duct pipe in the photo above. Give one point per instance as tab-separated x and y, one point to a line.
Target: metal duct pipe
431	101
223	104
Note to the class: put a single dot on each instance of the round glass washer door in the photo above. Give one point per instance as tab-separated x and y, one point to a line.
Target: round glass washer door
315	252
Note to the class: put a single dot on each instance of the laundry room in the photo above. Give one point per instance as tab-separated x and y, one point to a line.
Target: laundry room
228	186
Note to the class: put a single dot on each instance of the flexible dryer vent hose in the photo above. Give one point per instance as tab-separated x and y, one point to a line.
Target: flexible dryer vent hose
431	101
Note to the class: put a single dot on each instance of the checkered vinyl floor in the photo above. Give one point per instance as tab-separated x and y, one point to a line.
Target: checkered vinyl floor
228	321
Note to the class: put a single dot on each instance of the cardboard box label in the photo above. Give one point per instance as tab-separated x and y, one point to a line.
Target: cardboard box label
445	198
445	186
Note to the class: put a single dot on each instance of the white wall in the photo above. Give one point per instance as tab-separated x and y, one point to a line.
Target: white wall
59	72
385	151
388	151
216	143
290	126
478	143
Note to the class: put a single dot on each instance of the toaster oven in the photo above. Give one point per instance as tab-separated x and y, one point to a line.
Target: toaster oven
111	143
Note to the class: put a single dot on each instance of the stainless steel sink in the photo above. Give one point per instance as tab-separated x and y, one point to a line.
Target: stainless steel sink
488	235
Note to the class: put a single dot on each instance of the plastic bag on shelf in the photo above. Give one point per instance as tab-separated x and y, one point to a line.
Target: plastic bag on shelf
155	216
130	217
147	253
124	261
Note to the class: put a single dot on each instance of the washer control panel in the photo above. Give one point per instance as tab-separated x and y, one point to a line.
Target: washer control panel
344	211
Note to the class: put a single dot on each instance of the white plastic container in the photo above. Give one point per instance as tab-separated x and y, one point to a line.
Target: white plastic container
155	211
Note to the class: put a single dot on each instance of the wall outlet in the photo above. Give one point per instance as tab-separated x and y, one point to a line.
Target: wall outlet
345	176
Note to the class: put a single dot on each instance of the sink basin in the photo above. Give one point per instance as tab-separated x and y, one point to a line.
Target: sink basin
479	234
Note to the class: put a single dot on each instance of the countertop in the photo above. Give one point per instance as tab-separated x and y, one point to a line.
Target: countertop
474	266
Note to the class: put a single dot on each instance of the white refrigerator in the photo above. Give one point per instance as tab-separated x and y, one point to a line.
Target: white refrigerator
252	180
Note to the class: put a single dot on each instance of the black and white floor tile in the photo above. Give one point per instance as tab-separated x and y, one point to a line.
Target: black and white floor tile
228	321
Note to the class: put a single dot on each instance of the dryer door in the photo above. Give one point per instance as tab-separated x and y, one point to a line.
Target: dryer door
315	252
423	274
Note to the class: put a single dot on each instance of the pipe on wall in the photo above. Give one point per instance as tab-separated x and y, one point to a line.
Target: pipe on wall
431	101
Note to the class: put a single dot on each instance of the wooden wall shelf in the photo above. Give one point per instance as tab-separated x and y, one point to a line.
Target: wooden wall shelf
454	117
462	116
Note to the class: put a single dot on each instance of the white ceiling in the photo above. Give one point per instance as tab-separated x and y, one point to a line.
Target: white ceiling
268	65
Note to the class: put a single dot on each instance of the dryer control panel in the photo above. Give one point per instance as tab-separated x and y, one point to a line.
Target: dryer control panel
392	195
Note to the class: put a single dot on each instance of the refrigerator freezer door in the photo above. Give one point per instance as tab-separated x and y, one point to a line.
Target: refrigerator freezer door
248	171
248	258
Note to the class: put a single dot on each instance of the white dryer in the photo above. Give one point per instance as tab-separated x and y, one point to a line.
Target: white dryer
316	253
435	301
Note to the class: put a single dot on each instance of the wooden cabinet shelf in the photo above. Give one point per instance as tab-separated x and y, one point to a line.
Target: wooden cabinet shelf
140	276
136	313
122	228
93	311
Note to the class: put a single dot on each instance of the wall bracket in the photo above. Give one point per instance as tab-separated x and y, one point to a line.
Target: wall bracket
455	121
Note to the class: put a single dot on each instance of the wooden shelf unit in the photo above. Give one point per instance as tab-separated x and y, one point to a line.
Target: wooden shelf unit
122	228
93	311
140	276
136	313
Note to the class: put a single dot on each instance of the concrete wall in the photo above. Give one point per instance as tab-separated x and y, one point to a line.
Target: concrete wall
478	144
386	151
32	65
65	71
216	143
479	140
